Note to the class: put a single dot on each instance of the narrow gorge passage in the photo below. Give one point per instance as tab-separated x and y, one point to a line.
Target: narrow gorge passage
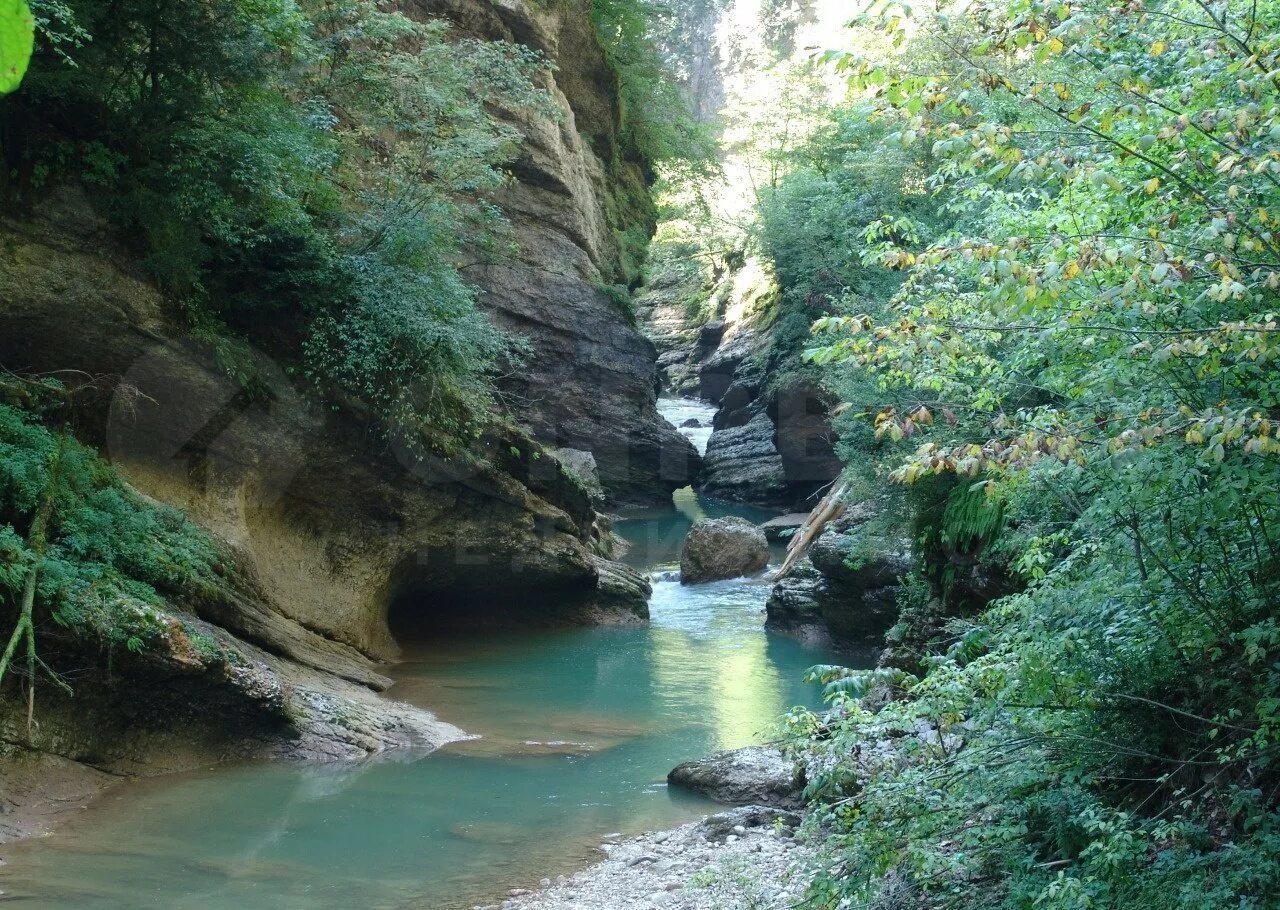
577	730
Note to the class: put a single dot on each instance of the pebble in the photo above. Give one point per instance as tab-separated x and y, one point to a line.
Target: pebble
682	870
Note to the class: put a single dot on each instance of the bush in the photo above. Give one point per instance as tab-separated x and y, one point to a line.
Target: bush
303	175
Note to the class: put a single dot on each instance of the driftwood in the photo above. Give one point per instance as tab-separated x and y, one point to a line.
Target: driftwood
827	511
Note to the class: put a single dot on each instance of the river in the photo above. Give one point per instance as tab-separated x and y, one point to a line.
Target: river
578	728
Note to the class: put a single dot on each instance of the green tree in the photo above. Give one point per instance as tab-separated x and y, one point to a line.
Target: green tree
1091	346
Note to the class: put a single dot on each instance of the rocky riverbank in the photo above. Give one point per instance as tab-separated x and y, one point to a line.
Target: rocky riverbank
749	857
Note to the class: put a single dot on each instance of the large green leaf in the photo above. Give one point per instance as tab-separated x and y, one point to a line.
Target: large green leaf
17	37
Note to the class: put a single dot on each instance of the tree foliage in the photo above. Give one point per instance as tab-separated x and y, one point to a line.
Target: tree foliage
110	560
641	39
1089	343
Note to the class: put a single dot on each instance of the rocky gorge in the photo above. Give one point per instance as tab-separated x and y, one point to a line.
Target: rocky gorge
343	547
338	539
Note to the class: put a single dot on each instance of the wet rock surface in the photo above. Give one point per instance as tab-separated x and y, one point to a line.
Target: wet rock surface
39	789
720	548
622	594
755	776
199	696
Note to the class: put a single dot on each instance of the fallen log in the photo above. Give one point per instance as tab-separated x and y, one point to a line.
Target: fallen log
825	512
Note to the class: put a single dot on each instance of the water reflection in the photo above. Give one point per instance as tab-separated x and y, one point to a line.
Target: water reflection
579	729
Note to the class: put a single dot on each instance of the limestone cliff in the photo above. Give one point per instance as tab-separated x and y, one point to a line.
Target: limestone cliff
578	206
332	525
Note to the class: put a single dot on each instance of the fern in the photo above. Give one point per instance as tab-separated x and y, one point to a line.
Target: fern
112	557
842	681
972	519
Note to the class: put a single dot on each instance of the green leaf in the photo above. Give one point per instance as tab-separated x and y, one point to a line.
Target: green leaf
17	39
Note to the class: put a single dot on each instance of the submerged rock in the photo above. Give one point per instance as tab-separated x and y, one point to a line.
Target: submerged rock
755	776
721	548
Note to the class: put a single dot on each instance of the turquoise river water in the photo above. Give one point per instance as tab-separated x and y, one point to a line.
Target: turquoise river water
578	728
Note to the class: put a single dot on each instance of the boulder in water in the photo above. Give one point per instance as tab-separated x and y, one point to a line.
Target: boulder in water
754	776
721	548
691	423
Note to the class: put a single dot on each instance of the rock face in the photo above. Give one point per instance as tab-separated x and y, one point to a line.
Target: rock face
773	443
334	536
743	464
591	380
331	529
753	776
784	526
846	589
719	548
197	696
582	466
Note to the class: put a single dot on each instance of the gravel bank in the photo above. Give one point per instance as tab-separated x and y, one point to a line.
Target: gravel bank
739	860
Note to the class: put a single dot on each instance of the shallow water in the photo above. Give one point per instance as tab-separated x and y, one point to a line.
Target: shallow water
578	727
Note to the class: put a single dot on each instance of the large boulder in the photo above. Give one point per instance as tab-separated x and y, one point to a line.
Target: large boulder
622	595
755	776
719	548
814	608
846	590
742	463
862	558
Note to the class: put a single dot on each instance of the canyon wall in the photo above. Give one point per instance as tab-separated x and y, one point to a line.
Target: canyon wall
337	534
581	212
